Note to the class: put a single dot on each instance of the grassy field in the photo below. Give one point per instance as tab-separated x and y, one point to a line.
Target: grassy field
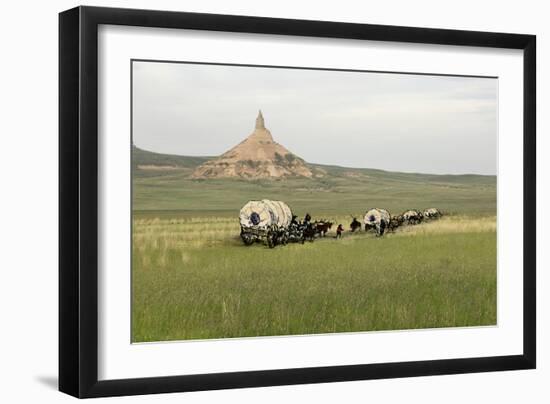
193	278
339	191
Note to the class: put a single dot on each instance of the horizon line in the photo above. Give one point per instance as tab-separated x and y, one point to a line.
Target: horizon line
331	165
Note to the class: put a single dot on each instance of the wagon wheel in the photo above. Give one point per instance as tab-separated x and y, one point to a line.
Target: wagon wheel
248	239
271	241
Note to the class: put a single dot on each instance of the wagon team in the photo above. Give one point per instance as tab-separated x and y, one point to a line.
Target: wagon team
273	223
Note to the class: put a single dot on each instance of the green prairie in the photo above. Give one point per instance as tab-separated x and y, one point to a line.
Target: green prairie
192	277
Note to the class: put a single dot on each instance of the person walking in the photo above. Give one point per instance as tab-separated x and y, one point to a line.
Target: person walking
339	230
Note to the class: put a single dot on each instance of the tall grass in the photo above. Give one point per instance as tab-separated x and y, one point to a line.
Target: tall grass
192	278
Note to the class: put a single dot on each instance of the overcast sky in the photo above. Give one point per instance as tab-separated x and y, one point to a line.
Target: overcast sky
396	122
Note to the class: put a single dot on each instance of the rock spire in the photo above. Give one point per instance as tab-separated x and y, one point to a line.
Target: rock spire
257	156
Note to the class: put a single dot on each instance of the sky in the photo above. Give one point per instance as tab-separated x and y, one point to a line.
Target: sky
389	121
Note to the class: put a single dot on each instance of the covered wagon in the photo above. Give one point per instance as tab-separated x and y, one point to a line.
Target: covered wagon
265	221
412	216
431	213
377	219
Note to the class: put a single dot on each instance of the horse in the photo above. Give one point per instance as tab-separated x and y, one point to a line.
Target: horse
322	228
308	232
355	225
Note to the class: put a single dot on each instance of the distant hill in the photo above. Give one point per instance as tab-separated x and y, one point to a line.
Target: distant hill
164	182
258	156
143	158
150	164
146	163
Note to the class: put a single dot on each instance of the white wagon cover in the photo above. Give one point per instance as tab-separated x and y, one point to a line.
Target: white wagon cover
431	212
376	216
265	213
410	213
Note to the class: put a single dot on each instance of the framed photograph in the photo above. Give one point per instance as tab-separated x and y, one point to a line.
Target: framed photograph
250	201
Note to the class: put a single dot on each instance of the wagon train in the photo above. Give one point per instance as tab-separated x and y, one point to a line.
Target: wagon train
272	223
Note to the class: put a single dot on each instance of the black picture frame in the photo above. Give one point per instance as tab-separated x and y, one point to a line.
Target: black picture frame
78	201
